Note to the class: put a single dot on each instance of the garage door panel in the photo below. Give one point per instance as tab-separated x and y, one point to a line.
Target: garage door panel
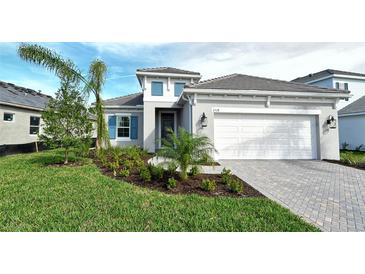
250	136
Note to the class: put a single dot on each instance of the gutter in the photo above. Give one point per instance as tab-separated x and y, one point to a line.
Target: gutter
20	106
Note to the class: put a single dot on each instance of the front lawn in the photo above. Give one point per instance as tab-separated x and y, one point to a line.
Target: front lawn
37	197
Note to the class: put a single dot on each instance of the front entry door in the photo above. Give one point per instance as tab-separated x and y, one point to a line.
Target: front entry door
167	121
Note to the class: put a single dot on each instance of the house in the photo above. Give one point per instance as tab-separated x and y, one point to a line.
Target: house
352	125
246	117
344	80
20	114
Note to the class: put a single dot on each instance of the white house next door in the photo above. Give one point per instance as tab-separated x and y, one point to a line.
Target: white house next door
265	136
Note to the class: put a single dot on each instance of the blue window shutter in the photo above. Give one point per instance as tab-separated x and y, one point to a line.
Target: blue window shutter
179	88
112	124
134	127
157	88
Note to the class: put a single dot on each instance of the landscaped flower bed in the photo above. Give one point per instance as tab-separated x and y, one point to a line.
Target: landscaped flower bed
131	165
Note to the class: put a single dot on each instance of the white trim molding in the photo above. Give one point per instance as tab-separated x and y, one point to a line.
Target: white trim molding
351	114
267	111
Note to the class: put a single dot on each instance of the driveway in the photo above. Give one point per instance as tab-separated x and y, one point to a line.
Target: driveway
330	196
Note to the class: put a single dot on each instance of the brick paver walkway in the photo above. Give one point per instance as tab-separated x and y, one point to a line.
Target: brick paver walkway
330	196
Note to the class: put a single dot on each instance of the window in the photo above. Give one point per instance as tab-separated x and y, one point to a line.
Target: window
9	117
34	125
179	88
342	86
123	126
157	88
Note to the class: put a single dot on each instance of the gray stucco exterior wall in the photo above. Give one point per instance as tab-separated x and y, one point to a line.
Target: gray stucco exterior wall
17	131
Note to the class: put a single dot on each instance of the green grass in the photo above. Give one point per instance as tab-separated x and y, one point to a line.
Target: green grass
353	158
37	197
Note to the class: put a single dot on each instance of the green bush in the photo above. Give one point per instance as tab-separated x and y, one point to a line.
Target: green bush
171	167
124	172
145	174
208	185
128	164
113	166
235	186
226	176
171	183
156	172
83	149
194	171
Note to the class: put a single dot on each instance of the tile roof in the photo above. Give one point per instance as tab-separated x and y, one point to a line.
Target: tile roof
134	99
324	73
13	94
168	70
245	82
355	107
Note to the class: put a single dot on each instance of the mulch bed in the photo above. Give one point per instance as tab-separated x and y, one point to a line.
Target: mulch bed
189	186
362	167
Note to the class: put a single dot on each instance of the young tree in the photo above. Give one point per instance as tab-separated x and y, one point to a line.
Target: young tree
66	120
65	68
186	149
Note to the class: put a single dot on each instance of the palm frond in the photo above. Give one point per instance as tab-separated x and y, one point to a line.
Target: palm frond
63	68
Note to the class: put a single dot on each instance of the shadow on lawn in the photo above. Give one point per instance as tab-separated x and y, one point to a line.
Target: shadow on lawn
57	159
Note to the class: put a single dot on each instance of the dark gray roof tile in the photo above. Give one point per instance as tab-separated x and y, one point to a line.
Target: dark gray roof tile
324	73
13	94
355	107
168	70
246	82
134	99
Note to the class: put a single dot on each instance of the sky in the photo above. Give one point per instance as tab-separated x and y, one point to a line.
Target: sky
284	61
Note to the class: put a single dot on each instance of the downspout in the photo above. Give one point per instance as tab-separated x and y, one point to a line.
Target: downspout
189	99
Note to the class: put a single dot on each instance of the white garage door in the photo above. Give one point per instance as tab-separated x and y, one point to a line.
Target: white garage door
263	136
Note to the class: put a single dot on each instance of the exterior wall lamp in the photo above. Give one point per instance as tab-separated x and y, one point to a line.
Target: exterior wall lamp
331	122
204	120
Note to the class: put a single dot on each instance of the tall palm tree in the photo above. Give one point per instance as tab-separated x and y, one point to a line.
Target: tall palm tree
66	69
97	72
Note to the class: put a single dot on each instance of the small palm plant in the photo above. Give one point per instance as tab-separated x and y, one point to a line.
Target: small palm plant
186	149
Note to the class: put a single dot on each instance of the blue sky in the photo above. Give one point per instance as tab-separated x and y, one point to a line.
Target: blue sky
284	61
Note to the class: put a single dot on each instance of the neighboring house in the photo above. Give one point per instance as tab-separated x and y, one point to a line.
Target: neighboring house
352	125
20	114
246	117
342	80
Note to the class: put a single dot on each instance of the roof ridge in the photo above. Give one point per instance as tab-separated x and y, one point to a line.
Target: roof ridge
213	79
287	82
122	96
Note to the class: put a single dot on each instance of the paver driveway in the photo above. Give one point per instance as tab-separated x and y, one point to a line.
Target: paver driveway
330	196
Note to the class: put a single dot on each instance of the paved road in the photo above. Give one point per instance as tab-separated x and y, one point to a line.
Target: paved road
330	196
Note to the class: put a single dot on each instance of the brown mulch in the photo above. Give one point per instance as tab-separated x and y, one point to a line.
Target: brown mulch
189	186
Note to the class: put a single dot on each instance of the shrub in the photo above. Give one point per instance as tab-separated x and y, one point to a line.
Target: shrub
226	176
235	185
83	149
344	145
156	172
208	185
145	174
128	164
171	183
185	149
171	167
113	166
102	156
358	148
124	172
194	171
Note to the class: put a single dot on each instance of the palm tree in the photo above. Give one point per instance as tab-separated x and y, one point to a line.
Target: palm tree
66	69
97	72
186	149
